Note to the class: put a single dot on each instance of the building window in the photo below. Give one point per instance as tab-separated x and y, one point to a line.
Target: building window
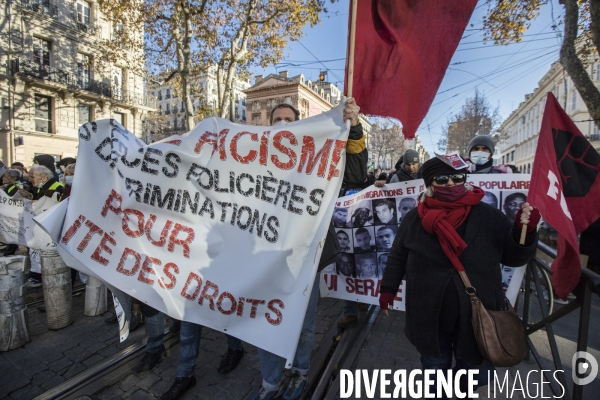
83	12
528	168
119	117
85	113
512	155
168	95
84	70
41	51
117	82
43	114
574	100
256	120
159	95
271	103
288	100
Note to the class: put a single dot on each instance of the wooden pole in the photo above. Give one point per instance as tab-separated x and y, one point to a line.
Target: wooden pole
523	234
351	49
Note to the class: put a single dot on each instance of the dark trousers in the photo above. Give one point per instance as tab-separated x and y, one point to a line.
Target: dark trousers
444	363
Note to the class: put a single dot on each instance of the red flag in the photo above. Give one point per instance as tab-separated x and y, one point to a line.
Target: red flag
566	188
402	50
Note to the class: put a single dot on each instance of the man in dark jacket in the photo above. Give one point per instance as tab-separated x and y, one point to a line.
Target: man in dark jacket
272	365
410	168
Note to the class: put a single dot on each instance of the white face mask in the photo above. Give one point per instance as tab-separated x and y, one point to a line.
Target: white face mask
480	157
279	123
69	180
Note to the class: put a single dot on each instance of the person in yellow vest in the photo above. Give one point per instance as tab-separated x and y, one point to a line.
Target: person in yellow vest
12	185
44	183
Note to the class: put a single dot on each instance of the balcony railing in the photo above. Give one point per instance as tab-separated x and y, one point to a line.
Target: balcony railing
86	27
73	81
43	7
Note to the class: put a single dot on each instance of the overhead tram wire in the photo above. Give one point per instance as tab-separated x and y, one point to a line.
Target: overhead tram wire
316	58
501	87
497	71
498	56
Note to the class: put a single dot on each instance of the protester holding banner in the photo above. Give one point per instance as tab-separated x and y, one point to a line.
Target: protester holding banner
452	230
271	365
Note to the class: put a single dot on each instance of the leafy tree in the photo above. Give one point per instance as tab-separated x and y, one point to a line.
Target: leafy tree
476	117
386	142
255	35
507	20
187	37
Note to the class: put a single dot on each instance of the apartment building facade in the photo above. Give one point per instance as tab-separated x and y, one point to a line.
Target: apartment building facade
52	80
308	97
173	107
520	131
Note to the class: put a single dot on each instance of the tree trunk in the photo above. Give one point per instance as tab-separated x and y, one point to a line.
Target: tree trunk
572	64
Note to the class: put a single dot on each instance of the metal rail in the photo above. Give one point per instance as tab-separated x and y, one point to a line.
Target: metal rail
105	373
76	289
589	283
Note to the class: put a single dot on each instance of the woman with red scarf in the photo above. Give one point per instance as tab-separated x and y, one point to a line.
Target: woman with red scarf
453	230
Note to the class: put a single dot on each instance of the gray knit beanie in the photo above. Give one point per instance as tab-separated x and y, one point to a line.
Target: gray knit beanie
410	156
482	140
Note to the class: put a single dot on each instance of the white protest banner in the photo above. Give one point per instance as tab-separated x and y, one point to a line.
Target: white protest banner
16	222
222	226
366	224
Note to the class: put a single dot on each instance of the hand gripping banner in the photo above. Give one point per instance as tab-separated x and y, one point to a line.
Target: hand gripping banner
222	226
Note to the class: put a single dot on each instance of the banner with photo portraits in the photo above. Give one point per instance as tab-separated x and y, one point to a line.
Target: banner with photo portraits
366	224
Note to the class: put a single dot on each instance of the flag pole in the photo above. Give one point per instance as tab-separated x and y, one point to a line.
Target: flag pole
523	234
351	48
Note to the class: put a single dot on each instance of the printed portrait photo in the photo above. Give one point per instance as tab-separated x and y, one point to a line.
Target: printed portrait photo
344	237
491	199
362	215
405	204
512	203
381	261
384	237
385	211
340	217
364	240
366	265
345	265
507	273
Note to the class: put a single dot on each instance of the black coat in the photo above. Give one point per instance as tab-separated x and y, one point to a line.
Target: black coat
418	257
403	176
355	173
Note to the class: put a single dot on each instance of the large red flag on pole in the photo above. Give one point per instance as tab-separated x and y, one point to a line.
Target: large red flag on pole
401	53
566	188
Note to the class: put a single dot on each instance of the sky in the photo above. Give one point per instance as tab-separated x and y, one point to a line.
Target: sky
505	74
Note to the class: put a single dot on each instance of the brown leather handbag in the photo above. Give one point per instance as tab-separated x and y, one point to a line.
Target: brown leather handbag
500	335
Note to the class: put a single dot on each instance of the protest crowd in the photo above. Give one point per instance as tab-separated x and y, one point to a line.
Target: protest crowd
451	230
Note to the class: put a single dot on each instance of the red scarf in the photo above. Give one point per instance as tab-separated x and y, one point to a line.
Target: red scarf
441	219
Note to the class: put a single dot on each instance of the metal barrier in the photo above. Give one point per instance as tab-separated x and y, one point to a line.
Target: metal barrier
14	330
589	283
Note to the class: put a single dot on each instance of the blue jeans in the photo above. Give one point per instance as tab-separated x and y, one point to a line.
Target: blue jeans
350	308
271	365
155	325
189	347
447	348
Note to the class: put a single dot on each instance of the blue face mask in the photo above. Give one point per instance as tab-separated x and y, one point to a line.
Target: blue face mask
69	180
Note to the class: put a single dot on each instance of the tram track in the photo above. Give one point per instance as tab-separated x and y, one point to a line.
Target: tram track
76	289
337	351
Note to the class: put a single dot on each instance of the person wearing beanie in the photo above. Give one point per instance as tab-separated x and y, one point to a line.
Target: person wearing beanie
452	230
481	149
410	168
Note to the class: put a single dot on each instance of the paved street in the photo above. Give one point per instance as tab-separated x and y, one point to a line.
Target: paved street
55	356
